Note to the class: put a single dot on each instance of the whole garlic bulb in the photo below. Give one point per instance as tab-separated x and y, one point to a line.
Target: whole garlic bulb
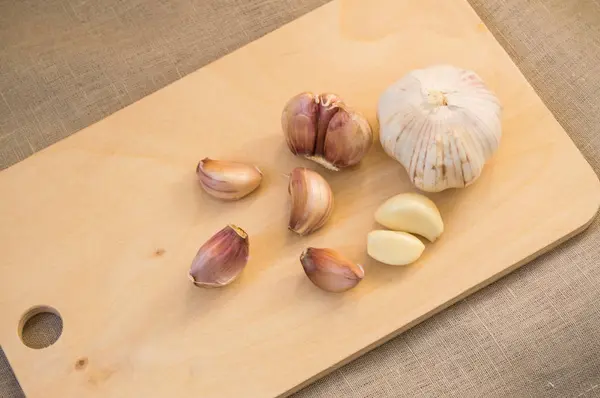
442	124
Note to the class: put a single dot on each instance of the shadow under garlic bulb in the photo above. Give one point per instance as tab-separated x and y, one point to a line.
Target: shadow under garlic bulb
442	124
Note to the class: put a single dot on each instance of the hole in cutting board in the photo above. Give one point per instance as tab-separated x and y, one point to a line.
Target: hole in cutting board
40	327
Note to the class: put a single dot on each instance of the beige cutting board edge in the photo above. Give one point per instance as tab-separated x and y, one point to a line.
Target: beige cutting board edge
103	225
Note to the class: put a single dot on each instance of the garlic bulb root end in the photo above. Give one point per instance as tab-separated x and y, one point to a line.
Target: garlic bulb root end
323	162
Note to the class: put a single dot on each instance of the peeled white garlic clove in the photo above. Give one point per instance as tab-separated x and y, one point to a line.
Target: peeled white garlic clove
442	124
411	212
393	247
324	129
312	201
329	270
221	258
227	180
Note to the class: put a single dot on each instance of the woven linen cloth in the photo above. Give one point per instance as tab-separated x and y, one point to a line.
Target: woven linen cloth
535	333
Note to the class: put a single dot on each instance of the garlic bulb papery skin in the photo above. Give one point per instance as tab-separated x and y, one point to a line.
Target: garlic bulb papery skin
442	124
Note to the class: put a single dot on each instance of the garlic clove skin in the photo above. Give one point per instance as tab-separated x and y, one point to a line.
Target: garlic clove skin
328	106
442	123
220	259
299	121
345	140
228	180
330	271
311	201
393	247
411	212
325	130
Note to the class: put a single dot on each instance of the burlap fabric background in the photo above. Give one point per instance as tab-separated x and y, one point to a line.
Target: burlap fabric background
535	333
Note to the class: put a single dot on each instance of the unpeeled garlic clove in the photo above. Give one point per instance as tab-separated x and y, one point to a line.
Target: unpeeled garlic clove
411	212
299	122
329	270
393	247
312	201
228	180
324	129
221	258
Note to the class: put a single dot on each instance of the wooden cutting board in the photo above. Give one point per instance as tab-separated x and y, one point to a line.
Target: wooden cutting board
103	225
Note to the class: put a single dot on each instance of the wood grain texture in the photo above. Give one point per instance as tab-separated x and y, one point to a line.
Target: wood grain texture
103	225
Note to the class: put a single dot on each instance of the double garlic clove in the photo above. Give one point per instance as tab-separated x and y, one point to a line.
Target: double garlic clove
394	247
221	258
311	201
228	180
411	212
329	270
324	129
405	214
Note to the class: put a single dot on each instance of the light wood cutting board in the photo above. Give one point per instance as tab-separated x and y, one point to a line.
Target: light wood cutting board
103	225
